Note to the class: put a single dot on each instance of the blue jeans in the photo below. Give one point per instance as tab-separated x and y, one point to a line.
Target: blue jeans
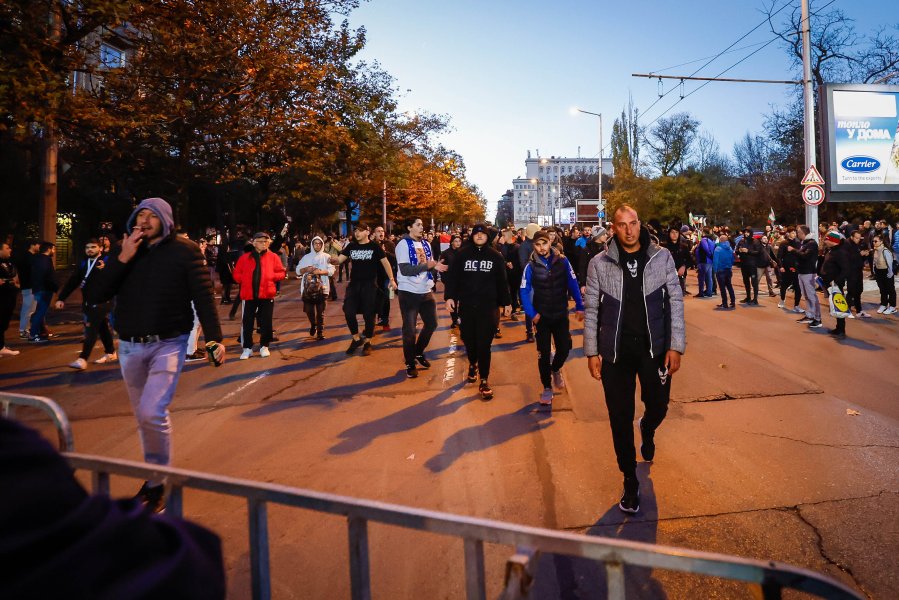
151	373
27	310
42	303
706	285
725	286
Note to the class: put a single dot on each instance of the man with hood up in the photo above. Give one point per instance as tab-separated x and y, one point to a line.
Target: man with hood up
477	283
315	264
258	273
154	276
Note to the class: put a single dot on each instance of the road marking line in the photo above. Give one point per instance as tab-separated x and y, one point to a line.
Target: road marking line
450	371
241	388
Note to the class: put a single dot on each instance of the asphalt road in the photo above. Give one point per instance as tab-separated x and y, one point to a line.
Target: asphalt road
759	455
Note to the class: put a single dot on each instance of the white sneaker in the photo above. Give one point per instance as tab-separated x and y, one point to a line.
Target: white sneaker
881	310
247	352
798	309
558	382
79	364
780	305
864	315
106	358
890	310
263	352
546	398
5	351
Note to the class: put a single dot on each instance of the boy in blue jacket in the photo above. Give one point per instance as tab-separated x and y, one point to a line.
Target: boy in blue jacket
722	264
547	280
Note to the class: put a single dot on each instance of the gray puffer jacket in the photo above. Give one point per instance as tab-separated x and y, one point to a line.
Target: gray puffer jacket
662	295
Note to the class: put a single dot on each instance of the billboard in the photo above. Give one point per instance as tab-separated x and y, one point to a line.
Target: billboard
861	142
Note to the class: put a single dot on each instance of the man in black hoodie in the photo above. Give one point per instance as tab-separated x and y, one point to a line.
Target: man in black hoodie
155	276
750	250
476	281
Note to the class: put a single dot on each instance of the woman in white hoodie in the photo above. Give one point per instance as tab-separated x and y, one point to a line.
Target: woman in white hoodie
315	271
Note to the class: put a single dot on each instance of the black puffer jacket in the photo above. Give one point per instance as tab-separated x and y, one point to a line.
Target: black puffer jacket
154	290
835	268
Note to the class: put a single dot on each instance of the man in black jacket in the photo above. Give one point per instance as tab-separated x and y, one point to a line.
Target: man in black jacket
477	283
806	267
857	253
23	268
43	286
787	263
750	250
154	277
95	320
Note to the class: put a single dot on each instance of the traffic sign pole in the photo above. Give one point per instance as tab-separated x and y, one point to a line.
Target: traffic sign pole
811	211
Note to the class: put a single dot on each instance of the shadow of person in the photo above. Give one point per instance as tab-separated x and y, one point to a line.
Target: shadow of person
565	577
359	436
494	432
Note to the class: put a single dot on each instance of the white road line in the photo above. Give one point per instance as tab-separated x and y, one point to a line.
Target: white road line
242	388
450	371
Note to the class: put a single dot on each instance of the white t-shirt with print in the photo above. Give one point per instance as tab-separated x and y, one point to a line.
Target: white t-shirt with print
416	284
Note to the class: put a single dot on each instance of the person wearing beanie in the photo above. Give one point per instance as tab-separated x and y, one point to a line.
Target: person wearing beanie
595	246
835	271
476	285
154	277
546	283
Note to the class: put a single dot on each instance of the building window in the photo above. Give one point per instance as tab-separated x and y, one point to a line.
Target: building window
111	58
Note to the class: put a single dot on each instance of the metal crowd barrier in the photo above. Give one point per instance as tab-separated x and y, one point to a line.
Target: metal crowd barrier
768	578
9	402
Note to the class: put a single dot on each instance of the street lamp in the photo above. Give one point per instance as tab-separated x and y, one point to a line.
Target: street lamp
574	111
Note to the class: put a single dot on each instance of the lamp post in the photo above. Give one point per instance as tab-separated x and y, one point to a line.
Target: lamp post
576	110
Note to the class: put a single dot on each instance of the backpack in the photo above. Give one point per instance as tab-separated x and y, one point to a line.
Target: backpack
313	288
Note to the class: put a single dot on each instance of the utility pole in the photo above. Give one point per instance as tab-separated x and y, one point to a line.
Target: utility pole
47	202
811	212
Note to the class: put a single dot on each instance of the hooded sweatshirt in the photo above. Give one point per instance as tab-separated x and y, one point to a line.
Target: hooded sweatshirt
319	260
154	290
477	277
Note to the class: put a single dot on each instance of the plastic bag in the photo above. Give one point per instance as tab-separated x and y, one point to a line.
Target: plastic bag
839	307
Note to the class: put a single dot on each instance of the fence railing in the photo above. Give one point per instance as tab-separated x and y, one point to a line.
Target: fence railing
769	578
9	402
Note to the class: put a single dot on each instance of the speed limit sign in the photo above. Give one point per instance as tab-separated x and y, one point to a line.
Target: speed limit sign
813	195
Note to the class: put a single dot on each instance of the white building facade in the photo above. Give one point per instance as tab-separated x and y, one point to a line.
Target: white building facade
538	194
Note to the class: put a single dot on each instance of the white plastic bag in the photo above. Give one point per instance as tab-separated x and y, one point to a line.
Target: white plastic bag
839	307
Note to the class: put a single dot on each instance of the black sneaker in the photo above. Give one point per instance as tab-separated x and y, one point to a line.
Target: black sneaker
354	345
746	301
815	325
312	331
423	363
198	355
484	389
530	338
366	349
472	373
805	320
630	500
38	339
754	303
411	371
152	497
648	446
837	334
321	335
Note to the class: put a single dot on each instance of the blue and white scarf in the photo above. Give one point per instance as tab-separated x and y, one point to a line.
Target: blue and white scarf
413	256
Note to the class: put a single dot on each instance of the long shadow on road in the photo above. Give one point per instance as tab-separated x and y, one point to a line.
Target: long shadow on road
560	576
495	432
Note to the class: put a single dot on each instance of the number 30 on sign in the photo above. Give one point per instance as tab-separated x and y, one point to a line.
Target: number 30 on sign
813	195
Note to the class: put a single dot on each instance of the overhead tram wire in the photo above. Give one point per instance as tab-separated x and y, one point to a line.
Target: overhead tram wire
690	62
768	43
714	58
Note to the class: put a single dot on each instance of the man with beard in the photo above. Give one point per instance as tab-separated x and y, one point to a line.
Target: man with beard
95	320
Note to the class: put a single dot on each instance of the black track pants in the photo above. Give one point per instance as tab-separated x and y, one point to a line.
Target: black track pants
552	330
619	382
477	329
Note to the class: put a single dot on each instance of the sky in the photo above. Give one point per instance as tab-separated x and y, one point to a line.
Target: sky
507	72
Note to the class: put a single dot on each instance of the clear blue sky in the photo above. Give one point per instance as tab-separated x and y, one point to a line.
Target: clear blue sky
507	72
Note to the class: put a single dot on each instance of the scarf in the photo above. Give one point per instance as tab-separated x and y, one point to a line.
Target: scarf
413	256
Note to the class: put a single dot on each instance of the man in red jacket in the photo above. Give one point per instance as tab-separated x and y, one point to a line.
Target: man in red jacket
257	272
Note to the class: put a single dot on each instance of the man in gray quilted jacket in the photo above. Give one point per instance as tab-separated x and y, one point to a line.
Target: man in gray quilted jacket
634	328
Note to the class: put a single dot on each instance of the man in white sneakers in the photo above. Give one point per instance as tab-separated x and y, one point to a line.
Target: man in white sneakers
257	272
96	323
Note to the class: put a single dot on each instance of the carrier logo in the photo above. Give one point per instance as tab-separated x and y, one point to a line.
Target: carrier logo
860	164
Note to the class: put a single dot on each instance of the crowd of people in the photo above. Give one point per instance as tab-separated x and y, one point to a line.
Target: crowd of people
625	280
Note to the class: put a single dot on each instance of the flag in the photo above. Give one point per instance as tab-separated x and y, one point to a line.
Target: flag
771	217
692	220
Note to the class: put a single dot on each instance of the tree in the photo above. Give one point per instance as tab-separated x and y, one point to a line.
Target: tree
670	143
626	139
